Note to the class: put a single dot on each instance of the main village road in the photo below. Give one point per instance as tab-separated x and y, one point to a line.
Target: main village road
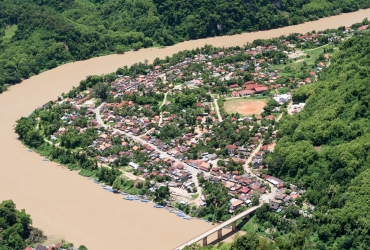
161	115
217	109
267	196
139	140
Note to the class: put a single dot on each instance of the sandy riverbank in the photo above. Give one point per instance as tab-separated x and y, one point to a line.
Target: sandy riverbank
62	202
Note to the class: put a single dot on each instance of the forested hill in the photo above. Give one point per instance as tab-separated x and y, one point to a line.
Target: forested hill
40	34
326	147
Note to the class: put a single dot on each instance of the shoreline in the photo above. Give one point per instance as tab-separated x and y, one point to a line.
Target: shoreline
62	203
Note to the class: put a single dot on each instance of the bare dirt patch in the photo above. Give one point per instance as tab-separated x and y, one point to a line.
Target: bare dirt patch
245	106
271	146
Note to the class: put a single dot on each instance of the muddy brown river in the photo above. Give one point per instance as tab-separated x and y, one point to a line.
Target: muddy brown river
69	206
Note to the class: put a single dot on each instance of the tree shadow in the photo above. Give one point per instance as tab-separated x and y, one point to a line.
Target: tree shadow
231	233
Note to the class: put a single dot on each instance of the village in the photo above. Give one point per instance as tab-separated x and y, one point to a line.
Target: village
208	118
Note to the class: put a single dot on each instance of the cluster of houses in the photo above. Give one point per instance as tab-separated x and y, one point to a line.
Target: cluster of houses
241	186
285	194
143	124
263	80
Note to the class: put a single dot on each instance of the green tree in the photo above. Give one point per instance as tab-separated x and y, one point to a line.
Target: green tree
101	90
162	194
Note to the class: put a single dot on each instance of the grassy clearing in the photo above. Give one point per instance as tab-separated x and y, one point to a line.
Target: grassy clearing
194	196
297	63
10	32
126	169
251	226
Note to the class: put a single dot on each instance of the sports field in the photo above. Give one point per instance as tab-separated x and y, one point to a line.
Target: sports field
245	106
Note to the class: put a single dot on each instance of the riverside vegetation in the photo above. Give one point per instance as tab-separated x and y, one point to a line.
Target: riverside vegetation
36	35
17	232
15	228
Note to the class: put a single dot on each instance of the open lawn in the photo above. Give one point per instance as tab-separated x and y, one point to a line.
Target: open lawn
298	63
10	31
245	106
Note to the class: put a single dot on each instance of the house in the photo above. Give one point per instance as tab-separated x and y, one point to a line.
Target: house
261	89
244	190
231	148
246	92
274	181
270	117
264	148
212	157
274	205
282	98
235	203
234	94
199	105
364	27
134	165
39	247
280	197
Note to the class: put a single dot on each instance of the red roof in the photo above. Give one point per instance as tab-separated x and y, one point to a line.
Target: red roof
246	92
364	27
244	190
261	89
253	86
270	117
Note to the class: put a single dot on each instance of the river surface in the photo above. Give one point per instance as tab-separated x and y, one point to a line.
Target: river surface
69	206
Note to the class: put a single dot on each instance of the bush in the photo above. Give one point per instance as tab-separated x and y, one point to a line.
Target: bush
137	46
120	49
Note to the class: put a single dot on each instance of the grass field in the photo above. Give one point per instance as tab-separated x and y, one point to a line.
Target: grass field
299	62
10	31
245	106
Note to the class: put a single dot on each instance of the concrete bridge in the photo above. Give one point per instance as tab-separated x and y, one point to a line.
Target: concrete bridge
219	227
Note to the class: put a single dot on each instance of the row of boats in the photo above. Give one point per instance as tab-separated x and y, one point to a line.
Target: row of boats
180	214
142	199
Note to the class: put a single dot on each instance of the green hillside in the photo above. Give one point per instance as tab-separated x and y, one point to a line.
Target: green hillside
325	149
36	35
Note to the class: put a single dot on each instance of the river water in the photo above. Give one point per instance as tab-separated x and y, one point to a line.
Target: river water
69	206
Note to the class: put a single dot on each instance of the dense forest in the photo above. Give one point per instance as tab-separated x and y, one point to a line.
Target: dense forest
37	35
325	149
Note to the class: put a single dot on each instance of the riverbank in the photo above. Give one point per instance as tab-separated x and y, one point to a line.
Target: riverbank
62	202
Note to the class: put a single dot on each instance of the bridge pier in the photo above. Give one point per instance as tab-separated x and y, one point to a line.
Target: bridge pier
219	234
233	226
205	241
